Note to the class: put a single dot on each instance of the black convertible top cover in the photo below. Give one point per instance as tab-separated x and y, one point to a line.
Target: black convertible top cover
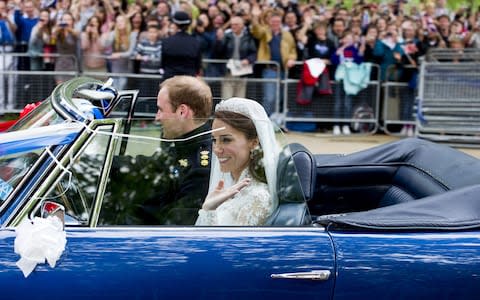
458	208
453	210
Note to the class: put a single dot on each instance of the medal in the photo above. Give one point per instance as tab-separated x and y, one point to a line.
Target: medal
204	158
183	162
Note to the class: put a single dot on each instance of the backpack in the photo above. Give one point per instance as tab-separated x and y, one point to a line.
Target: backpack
363	111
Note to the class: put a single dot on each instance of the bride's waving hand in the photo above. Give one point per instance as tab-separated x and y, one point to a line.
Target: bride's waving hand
221	194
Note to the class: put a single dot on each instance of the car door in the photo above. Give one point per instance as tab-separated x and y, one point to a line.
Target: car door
198	263
409	265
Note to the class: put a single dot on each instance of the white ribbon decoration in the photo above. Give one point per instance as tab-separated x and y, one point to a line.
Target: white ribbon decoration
38	240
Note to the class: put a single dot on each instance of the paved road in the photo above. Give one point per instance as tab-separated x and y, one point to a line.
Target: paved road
328	144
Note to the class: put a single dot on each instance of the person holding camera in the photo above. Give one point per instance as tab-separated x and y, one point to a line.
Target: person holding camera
389	52
92	47
67	41
40	43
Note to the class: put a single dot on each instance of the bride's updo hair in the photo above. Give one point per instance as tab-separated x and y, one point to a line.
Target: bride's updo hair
246	126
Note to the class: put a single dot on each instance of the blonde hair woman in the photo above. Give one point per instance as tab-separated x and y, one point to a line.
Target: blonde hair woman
120	42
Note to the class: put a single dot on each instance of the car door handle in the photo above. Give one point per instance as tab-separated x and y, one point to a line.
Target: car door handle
320	275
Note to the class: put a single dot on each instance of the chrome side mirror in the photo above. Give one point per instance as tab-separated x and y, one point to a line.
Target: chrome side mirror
50	208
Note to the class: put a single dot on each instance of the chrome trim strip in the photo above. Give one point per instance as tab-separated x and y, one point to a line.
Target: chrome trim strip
102	184
281	229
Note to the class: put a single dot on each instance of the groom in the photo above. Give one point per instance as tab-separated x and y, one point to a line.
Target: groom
168	187
184	105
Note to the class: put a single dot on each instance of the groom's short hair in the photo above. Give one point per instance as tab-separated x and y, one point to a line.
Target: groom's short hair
191	91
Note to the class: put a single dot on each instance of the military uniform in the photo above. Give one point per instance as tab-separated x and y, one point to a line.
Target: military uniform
181	55
180	201
167	188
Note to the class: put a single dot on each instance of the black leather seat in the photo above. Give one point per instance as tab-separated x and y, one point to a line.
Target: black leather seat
390	174
296	177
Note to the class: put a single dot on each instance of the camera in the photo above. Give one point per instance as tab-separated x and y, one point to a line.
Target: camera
62	24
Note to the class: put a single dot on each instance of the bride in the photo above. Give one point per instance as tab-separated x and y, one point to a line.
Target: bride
242	180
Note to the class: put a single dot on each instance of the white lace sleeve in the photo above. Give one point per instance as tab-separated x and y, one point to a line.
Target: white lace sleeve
206	217
251	207
256	209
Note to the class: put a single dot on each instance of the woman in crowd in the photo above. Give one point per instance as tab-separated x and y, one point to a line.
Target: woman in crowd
347	52
121	43
242	181
138	22
40	43
139	27
67	41
93	48
368	46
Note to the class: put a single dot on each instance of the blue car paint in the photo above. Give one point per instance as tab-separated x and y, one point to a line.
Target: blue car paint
166	263
407	265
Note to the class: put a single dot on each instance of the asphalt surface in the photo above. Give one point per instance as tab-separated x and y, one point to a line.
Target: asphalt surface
323	143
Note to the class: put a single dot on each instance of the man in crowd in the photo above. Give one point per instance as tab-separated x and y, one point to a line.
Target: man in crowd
26	17
238	46
275	44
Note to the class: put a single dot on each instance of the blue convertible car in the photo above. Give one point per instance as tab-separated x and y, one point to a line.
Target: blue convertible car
401	220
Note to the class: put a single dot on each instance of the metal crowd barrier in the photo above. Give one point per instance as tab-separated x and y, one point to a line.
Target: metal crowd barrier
452	55
321	109
449	103
21	87
214	75
398	103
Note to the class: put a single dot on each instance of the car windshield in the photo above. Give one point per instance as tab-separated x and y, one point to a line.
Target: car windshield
19	151
13	168
43	115
68	101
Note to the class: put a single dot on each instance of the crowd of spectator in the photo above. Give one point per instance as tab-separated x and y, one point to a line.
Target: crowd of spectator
123	36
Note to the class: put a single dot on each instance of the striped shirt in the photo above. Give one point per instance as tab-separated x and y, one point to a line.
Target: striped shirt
152	54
